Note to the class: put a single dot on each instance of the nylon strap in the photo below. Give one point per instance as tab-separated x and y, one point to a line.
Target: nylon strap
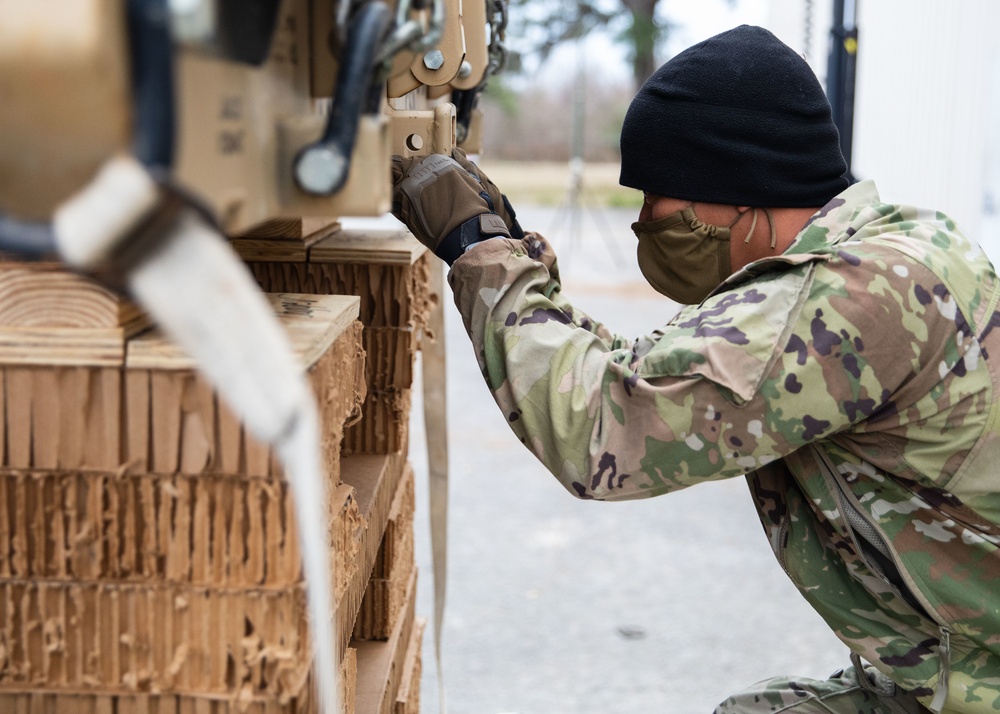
432	349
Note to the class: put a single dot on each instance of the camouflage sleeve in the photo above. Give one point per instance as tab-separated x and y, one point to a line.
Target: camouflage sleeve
750	376
536	247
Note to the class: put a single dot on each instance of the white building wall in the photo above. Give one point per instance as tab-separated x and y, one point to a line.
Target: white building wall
927	113
793	21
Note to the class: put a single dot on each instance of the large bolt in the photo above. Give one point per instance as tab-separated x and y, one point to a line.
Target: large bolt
320	170
434	60
465	70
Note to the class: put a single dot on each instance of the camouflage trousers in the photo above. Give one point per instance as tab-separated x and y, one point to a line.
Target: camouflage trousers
842	693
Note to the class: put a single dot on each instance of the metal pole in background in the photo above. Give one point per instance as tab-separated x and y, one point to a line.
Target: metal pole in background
573	196
576	193
841	73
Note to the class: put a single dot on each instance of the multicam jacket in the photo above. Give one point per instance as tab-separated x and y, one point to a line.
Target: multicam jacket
852	381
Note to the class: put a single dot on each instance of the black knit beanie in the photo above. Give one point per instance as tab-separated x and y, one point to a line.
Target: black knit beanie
739	119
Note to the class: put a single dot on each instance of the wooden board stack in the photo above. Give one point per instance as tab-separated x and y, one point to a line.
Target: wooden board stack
149	561
148	555
389	271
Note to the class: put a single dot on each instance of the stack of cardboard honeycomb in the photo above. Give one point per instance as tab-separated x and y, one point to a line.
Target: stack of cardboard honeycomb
149	560
389	272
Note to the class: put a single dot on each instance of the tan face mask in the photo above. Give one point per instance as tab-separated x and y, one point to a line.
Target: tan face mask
684	258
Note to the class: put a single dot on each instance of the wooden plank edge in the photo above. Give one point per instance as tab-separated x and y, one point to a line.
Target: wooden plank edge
154	351
73	347
408	696
380	664
374	492
386	246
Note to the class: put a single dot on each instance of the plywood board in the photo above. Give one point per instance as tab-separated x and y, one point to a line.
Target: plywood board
408	696
258	250
385	246
90	346
375	480
381	664
385	594
312	322
293	229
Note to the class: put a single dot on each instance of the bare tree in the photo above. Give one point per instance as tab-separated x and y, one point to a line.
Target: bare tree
643	33
542	25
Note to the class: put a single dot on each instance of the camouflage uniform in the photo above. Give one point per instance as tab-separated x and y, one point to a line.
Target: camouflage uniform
851	379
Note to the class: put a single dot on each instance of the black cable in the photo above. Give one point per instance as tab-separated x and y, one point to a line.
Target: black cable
28	240
465	101
354	94
354	79
152	82
246	29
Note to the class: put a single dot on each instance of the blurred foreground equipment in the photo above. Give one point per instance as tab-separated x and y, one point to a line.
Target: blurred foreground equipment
186	530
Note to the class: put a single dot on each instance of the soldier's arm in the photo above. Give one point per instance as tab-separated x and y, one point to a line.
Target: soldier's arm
536	247
751	376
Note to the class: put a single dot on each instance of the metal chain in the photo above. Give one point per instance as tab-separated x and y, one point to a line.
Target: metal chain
498	26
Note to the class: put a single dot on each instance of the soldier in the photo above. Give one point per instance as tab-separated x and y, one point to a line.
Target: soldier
838	351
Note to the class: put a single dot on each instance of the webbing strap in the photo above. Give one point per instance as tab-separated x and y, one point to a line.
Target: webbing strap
436	425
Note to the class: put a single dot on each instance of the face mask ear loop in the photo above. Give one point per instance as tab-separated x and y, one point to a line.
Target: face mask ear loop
753	224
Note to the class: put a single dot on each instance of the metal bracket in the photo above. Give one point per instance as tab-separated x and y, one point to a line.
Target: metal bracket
419	133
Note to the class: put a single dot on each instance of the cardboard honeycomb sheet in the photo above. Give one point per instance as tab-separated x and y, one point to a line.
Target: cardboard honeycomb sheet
61	417
384	426
301	702
391	295
212	618
386	591
213	530
166	630
177	423
124	638
393	285
149	558
390	352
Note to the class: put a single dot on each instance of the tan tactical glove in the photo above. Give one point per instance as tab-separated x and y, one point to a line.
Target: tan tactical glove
500	203
445	206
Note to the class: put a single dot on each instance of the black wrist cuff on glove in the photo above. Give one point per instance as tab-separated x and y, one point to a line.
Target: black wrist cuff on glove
474	230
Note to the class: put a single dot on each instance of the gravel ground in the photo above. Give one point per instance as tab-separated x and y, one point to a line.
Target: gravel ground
559	606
